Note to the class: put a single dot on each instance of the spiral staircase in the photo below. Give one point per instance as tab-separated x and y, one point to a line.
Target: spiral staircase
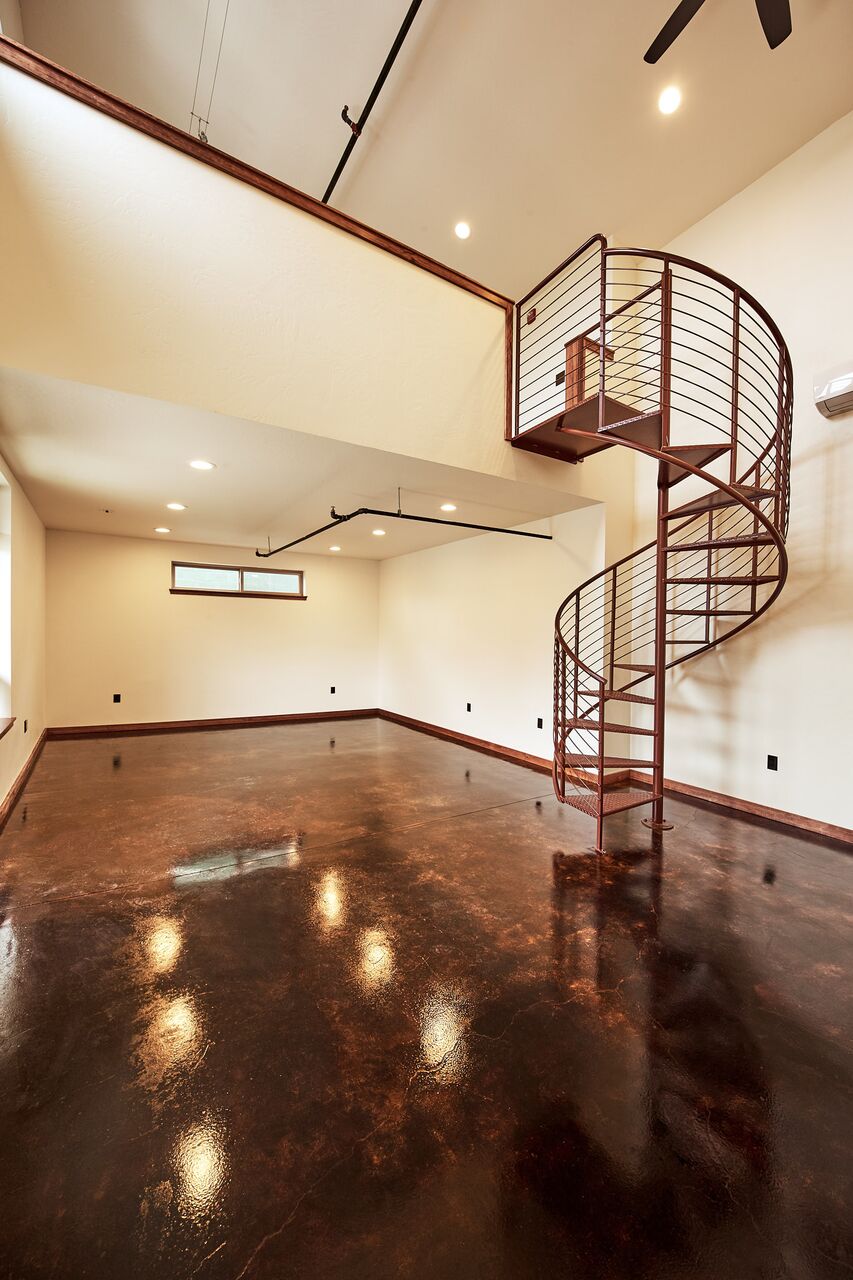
629	348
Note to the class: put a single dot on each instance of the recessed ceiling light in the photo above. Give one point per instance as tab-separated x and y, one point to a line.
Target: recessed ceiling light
379	533
162	529
669	100
175	506
201	465
448	506
462	230
334	548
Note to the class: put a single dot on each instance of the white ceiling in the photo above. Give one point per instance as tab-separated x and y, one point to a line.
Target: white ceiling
534	120
79	449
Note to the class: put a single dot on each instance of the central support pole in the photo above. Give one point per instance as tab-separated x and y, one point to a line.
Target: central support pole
656	822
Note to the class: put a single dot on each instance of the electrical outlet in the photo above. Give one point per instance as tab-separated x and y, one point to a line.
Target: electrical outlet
116	697
539	723
467	706
331	688
773	763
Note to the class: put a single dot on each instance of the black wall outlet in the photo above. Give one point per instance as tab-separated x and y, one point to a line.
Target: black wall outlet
116	697
467	706
331	688
773	763
539	723
26	725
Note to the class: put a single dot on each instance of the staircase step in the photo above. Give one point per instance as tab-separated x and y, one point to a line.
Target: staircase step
610	762
722	582
610	802
609	728
642	428
710	544
696	454
634	666
719	498
616	695
710	613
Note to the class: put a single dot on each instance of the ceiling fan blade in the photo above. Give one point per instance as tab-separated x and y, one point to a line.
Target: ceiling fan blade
775	18
673	28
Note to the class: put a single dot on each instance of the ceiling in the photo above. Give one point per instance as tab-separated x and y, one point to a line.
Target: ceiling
535	121
102	461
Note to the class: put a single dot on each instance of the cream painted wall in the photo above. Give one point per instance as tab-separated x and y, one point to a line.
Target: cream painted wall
131	266
113	627
27	635
785	687
474	622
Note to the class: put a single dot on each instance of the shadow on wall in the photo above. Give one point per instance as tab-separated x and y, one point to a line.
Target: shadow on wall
814	595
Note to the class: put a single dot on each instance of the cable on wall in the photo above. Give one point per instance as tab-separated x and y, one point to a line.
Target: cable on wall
199	123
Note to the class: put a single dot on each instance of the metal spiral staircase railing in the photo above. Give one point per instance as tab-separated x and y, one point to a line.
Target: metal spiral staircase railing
653	352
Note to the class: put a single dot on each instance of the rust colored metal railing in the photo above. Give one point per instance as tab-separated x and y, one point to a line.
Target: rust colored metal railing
654	352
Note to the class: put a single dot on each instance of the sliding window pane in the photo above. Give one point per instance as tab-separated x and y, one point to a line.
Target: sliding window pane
190	577
278	584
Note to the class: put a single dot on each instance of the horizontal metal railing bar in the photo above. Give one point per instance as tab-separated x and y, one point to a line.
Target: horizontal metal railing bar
598	239
577	287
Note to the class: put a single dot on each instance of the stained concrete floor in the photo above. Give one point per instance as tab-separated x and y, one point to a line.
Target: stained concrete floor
347	1001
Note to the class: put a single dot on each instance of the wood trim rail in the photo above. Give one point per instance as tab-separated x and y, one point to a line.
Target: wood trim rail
6	723
14	792
750	809
190	726
49	73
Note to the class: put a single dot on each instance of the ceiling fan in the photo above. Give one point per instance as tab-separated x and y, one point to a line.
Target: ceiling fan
775	18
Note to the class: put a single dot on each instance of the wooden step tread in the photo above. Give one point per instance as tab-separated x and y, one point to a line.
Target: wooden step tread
610	762
723	581
720	498
608	727
616	695
634	666
610	802
710	544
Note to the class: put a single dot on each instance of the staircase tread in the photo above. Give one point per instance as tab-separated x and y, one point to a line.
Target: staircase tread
610	762
634	666
696	454
587	724
739	580
616	695
610	801
720	498
710	613
708	544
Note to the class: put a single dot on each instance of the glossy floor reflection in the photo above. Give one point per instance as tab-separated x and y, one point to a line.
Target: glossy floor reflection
345	1001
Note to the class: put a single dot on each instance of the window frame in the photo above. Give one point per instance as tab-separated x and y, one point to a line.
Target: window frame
240	593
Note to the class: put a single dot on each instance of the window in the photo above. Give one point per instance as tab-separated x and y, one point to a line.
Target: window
228	580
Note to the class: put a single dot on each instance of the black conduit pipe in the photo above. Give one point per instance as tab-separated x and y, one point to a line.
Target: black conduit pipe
399	515
358	125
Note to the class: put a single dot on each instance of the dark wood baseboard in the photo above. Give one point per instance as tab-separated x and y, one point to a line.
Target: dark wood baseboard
538	763
190	726
8	804
748	808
